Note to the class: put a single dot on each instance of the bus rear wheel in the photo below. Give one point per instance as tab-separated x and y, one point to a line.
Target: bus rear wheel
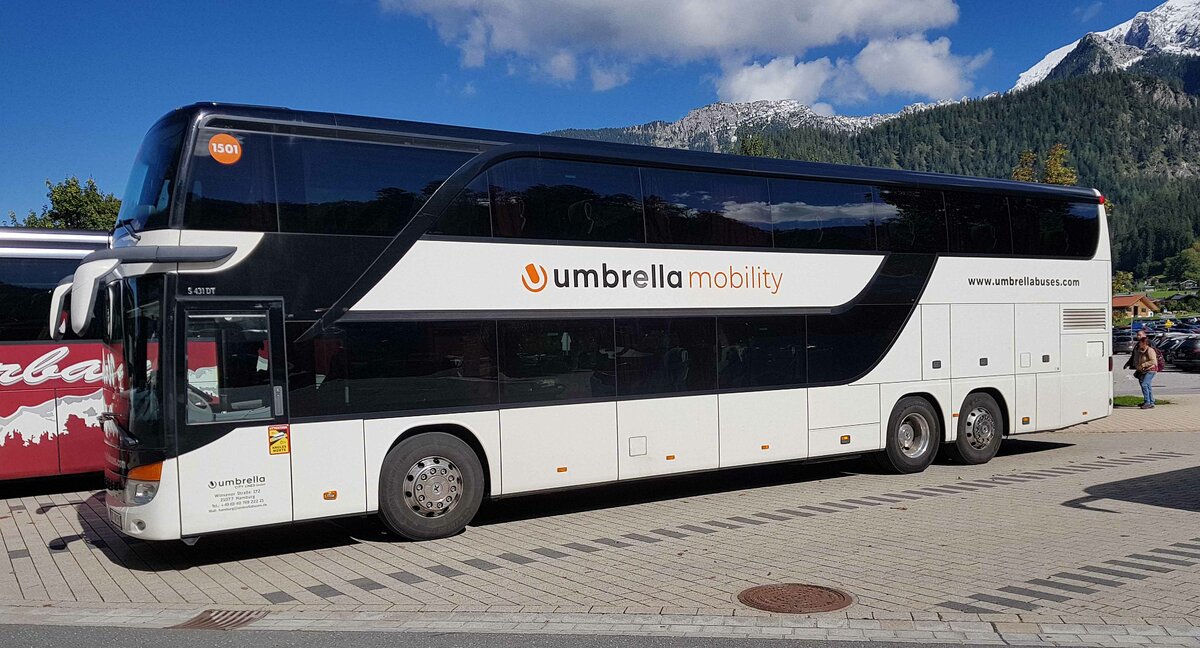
430	486
913	436
980	430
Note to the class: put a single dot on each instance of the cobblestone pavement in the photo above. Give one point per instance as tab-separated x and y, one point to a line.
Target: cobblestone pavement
1085	536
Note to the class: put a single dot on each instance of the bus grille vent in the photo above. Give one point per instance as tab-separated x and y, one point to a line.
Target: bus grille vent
1077	320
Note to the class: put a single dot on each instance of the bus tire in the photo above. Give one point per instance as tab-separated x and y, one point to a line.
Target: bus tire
980	430
913	436
430	486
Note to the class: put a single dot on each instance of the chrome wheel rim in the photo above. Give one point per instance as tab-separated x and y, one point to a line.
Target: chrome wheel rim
432	487
980	428
912	437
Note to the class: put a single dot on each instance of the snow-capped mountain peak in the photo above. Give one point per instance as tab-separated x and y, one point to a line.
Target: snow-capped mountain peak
714	127
1172	27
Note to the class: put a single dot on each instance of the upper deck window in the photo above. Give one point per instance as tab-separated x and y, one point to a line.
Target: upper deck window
316	186
1054	228
340	187
147	199
25	287
706	208
236	196
822	215
569	201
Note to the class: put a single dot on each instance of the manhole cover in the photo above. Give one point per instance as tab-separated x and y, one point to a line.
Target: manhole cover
221	619
795	598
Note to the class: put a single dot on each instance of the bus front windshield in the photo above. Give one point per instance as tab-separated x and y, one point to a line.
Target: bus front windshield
147	200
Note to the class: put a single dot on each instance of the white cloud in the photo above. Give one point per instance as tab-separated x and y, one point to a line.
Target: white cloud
1089	11
781	78
606	41
914	66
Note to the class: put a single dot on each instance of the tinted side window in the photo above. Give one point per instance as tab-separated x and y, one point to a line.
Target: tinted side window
978	223
25	287
822	215
1048	227
662	356
335	187
706	208
468	214
556	360
239	196
843	347
911	220
569	201
1082	224
393	366
761	351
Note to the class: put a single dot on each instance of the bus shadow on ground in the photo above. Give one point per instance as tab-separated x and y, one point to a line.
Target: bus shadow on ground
702	484
150	556
1176	489
171	555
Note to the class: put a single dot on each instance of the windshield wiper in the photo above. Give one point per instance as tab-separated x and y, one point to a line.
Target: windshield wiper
127	224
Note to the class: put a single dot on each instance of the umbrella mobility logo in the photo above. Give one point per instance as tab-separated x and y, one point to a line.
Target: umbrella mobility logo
656	276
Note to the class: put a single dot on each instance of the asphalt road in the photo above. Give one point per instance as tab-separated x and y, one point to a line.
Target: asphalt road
69	637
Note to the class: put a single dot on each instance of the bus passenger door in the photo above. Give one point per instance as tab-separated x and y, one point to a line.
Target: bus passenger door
234	442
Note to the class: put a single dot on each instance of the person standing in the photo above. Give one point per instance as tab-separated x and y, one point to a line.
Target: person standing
1144	362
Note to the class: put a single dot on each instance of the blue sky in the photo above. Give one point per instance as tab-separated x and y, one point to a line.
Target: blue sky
80	83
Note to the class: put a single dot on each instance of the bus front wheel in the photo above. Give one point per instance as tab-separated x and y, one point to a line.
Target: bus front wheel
430	486
980	430
913	436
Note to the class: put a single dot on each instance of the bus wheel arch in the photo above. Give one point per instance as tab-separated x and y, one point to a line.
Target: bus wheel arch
431	483
454	429
982	423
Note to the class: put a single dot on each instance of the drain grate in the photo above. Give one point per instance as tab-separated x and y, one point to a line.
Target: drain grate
221	619
795	598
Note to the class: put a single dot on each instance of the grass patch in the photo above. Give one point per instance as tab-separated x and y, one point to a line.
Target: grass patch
1134	401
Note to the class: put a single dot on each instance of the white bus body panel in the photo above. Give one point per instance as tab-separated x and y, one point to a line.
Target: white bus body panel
981	339
234	482
329	470
381	434
759	427
536	442
1049	401
902	363
1087	383
660	436
846	410
1025	404
488	276
935	342
1037	348
951	281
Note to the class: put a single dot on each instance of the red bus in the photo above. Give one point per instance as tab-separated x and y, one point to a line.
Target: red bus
50	392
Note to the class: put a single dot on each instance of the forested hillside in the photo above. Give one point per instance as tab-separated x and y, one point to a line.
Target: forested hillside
1134	135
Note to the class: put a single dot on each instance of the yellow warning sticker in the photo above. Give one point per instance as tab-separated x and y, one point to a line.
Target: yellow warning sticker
279	440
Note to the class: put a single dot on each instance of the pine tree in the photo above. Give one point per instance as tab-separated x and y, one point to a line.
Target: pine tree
1057	170
1026	169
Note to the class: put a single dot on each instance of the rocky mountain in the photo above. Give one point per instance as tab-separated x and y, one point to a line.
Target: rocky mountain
714	127
1171	28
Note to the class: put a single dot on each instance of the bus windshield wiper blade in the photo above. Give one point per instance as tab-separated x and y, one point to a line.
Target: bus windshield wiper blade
127	224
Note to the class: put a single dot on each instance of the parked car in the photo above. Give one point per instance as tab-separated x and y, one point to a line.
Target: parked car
1187	356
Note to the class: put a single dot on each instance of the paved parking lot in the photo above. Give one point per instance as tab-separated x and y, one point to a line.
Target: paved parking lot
1079	536
1170	382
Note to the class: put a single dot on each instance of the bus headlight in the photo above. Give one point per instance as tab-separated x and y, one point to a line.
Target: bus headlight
142	484
140	492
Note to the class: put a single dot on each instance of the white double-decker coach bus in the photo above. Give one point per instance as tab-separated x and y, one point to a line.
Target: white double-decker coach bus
315	315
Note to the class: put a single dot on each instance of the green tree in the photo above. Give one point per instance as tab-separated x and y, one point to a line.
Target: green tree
1185	265
1026	169
1057	170
750	144
1122	282
73	206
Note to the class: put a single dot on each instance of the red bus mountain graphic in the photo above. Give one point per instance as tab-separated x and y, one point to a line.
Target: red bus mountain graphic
50	395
